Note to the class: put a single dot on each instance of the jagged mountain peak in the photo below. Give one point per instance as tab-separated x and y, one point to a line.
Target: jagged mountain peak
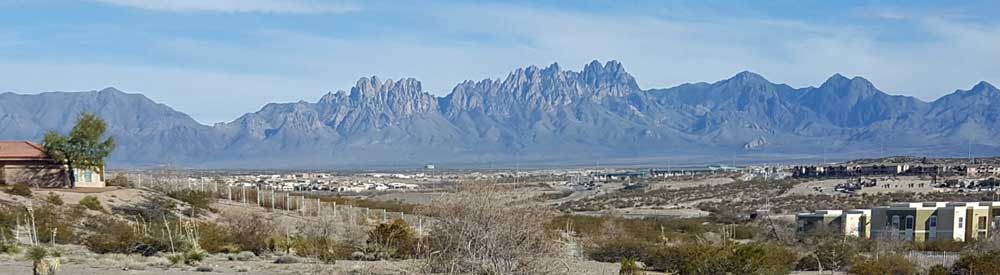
747	76
984	86
546	112
836	79
373	86
849	87
110	90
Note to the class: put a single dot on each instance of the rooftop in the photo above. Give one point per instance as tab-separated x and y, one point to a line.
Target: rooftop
21	150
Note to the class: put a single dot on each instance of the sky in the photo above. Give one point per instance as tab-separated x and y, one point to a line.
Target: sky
218	59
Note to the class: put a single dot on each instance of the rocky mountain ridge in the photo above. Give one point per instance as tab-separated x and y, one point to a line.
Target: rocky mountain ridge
547	116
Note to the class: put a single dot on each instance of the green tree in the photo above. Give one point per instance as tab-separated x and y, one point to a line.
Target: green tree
83	147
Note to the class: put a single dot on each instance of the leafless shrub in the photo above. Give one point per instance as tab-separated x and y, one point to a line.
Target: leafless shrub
480	231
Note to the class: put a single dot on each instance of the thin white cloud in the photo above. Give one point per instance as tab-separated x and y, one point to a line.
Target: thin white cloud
231	78
236	6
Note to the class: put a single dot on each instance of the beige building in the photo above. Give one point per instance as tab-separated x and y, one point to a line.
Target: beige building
26	162
851	223
919	221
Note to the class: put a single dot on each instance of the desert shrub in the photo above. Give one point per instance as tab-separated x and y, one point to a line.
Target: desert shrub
8	220
891	264
744	232
216	238
830	255
198	200
91	202
482	231
287	259
395	239
52	221
554	195
119	180
389	205
54	199
20	189
150	208
629	267
652	230
325	249
244	256
9	248
978	262
728	258
939	245
230	248
189	253
614	249
110	235
252	232
938	270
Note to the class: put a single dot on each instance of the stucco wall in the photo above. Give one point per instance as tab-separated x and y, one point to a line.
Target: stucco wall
34	175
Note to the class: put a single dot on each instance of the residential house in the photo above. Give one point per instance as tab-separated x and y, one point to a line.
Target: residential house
26	162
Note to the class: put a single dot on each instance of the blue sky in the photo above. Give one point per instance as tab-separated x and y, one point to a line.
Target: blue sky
218	59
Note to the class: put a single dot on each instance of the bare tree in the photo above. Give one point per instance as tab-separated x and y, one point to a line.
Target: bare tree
481	231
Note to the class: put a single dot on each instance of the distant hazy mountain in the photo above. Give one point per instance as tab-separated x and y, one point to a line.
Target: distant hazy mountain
146	132
535	116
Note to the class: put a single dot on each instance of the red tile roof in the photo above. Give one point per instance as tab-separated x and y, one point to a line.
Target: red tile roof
21	150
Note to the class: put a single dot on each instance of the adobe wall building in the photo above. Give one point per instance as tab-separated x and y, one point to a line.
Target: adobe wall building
26	162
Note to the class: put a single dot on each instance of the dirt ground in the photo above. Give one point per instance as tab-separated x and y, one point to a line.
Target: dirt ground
76	260
109	197
677	184
825	187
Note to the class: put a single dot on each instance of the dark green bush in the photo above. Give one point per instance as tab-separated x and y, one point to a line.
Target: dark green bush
91	202
54	199
394	238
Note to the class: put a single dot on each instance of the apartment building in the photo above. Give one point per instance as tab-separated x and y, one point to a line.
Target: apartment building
852	223
918	221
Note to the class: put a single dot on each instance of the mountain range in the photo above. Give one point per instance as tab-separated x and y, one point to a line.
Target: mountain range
535	116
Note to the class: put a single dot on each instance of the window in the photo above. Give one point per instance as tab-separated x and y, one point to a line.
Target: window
961	222
932	222
909	222
981	223
895	222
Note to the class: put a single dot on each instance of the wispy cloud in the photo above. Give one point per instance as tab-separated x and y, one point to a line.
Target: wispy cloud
443	43
237	6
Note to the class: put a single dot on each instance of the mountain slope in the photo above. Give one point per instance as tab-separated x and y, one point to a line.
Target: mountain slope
546	116
145	131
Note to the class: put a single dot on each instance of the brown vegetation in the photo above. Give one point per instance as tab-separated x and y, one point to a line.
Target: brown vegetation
479	231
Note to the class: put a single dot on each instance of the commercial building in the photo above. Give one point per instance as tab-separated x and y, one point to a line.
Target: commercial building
919	221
